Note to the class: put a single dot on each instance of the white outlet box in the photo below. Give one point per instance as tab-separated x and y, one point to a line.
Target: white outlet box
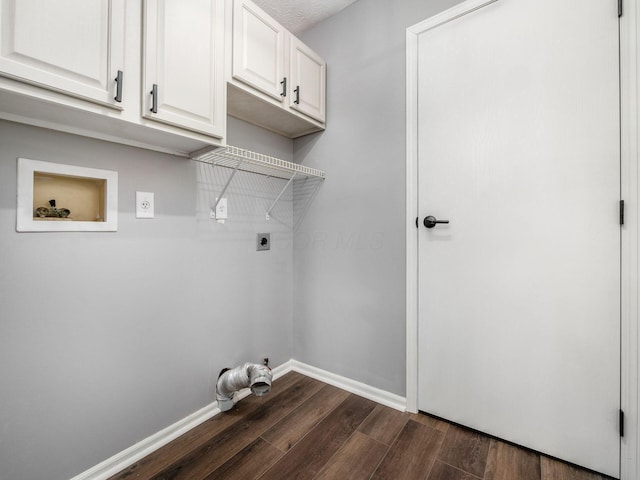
144	205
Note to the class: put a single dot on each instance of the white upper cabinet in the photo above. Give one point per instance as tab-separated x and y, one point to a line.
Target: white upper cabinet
63	61
71	46
276	81
308	80
157	74
258	50
183	59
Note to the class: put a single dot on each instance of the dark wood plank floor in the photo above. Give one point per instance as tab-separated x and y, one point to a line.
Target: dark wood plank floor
306	429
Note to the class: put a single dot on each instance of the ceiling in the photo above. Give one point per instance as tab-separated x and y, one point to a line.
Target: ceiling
300	15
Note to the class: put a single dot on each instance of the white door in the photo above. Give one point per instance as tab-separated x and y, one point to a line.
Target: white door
518	147
308	80
71	46
183	54
259	50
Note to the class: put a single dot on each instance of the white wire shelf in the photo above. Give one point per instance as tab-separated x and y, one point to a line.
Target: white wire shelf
248	161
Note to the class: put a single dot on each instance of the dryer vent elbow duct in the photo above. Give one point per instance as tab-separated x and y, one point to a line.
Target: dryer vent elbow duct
252	375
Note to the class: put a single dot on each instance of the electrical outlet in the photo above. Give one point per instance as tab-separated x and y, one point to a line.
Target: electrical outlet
263	241
144	205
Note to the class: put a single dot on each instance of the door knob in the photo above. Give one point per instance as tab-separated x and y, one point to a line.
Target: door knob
431	221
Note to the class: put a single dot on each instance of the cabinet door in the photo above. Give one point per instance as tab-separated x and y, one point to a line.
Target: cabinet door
308	81
71	46
183	82
258	49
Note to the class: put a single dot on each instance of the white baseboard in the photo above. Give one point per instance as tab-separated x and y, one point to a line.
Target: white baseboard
372	393
131	455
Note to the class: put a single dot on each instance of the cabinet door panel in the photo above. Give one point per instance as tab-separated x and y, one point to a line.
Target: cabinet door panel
258	49
308	81
183	57
72	46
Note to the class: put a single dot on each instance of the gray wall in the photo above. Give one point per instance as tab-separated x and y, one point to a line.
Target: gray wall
349	252
107	338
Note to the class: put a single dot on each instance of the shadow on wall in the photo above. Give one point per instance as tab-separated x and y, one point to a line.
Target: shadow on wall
250	196
303	145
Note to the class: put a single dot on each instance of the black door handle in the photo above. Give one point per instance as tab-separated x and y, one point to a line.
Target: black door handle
431	221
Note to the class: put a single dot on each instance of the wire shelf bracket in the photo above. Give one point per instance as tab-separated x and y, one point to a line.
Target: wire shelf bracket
247	161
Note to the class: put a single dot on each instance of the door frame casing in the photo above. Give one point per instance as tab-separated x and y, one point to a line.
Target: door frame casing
630	247
630	183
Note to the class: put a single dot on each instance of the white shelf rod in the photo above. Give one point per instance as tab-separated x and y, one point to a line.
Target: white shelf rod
268	215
